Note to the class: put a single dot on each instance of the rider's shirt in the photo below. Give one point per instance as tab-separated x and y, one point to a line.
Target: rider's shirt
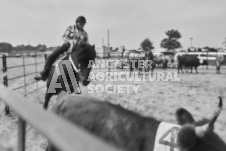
72	33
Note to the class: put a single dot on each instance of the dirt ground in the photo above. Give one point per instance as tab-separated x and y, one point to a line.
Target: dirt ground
198	93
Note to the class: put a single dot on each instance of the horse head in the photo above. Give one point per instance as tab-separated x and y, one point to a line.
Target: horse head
81	55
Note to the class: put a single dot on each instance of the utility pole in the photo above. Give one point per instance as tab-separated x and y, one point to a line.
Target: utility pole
108	38
191	41
109	53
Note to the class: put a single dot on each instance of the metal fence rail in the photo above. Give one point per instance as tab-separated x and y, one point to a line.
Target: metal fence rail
6	79
60	132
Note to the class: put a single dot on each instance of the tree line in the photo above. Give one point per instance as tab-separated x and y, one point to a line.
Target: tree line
171	42
7	47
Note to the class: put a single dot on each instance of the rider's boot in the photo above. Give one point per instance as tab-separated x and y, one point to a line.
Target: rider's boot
41	76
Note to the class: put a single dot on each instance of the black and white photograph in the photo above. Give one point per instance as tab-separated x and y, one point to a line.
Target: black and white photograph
112	75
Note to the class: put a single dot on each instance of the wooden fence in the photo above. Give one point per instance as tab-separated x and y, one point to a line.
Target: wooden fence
60	132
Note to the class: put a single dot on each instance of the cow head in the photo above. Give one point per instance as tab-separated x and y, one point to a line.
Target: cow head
199	136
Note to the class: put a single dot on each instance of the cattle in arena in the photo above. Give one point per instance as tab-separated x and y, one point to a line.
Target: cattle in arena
161	61
164	59
189	61
219	62
135	56
149	57
131	131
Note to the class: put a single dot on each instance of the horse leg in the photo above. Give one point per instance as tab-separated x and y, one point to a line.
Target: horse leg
47	99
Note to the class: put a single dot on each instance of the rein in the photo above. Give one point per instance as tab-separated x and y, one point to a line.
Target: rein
73	64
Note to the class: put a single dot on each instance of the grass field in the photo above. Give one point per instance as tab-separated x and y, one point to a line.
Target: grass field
198	93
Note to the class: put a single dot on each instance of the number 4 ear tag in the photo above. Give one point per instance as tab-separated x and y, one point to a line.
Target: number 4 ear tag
166	137
169	138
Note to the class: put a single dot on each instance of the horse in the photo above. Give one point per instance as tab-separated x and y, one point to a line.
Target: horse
219	62
130	131
80	59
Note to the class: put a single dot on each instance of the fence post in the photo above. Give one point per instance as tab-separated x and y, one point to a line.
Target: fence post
5	79
25	83
36	70
207	59
21	134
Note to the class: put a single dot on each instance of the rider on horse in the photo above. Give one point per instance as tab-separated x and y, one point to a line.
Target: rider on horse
74	34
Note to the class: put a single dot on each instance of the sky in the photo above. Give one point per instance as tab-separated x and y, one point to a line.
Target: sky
129	21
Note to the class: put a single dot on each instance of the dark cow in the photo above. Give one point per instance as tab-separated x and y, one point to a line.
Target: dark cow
189	61
130	131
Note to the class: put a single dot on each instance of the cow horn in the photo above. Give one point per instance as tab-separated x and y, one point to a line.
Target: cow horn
216	114
201	130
